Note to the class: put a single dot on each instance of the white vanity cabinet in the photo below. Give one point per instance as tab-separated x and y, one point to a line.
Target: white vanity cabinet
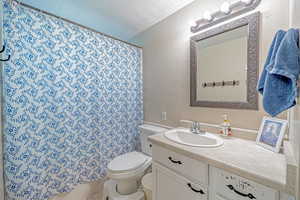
227	186
179	177
171	186
191	169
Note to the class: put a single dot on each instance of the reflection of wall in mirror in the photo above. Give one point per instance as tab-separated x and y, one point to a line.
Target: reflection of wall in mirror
229	63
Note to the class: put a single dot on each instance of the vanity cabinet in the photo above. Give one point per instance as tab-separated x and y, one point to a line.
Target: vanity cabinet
171	186
192	169
227	186
178	177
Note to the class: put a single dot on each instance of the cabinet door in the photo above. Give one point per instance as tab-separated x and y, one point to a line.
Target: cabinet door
284	196
170	186
227	186
218	197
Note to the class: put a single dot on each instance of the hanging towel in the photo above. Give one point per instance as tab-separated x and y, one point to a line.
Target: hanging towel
278	82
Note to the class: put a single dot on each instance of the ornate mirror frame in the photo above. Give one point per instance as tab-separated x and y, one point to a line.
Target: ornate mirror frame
253	23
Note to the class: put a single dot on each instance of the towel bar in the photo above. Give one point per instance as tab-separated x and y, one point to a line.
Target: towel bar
221	84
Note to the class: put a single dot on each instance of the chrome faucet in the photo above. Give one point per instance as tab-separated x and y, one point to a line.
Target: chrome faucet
196	129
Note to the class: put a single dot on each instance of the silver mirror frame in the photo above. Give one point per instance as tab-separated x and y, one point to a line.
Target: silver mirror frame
253	23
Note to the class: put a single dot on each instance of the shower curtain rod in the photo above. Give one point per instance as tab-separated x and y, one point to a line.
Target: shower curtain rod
75	23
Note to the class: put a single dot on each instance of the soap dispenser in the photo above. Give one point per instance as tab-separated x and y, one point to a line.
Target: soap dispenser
225	127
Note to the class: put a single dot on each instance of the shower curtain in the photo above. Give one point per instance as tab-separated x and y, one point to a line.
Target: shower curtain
72	102
2	189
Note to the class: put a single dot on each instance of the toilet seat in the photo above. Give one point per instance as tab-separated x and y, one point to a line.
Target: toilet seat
127	162
129	165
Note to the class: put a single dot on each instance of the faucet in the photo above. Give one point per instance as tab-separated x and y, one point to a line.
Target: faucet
196	129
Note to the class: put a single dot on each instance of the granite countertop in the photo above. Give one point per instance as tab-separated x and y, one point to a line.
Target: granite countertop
241	157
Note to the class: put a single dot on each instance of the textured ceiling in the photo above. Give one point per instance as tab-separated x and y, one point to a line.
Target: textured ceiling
120	18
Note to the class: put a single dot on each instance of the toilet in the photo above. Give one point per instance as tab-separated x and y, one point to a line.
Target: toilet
126	171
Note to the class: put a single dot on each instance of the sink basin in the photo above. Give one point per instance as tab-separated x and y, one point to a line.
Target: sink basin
186	137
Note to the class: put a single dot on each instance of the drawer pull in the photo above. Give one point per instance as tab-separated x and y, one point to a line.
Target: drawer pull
175	161
197	191
250	196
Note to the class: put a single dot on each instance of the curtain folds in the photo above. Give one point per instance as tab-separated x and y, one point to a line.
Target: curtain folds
72	100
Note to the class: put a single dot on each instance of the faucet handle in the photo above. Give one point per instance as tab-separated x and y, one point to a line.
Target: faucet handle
198	125
194	126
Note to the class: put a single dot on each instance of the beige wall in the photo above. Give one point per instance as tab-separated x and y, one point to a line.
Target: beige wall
295	13
295	139
295	112
166	65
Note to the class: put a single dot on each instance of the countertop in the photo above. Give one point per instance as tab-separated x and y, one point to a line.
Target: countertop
241	157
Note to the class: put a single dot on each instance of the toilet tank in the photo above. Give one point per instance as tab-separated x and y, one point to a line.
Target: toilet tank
145	131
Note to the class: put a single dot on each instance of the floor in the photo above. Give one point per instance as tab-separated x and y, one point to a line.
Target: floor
90	191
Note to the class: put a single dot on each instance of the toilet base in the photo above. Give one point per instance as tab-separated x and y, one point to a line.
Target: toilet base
110	193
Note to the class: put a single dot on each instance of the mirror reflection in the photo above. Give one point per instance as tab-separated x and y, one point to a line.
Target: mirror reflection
222	66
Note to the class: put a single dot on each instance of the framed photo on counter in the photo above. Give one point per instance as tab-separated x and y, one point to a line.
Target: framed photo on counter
271	133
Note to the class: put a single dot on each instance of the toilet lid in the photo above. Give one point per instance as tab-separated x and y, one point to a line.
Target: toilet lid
127	162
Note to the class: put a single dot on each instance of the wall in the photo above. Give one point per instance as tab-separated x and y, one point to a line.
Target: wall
294	13
166	65
295	112
83	12
295	139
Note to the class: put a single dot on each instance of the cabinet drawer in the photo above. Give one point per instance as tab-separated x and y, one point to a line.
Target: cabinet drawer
190	168
227	186
168	185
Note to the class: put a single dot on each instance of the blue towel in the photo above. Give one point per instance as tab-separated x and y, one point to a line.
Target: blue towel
278	82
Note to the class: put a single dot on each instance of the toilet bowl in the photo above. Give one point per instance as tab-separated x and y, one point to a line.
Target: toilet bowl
147	186
126	171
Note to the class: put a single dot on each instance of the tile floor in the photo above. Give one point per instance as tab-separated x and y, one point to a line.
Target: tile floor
89	191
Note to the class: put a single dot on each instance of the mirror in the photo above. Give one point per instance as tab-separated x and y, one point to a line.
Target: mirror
224	68
224	65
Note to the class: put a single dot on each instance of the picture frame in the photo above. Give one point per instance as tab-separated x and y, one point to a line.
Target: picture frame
271	133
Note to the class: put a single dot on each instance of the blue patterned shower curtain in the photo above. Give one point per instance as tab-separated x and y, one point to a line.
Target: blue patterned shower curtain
72	102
